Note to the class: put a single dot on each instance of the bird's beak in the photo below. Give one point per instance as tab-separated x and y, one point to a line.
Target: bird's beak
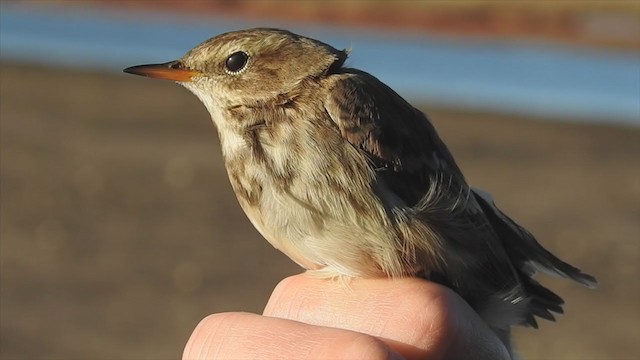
173	70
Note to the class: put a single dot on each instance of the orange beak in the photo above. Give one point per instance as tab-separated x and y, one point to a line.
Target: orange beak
173	70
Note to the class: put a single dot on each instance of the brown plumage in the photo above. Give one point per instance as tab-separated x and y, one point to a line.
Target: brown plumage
345	177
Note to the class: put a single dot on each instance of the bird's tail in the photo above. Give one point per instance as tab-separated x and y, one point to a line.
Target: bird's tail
528	256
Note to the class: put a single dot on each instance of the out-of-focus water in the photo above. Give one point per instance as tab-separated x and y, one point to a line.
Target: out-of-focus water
529	78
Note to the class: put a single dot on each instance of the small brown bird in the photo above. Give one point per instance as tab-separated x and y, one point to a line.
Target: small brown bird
340	173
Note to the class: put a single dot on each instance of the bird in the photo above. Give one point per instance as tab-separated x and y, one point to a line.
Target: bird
344	176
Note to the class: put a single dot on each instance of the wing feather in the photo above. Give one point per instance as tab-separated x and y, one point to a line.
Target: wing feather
488	257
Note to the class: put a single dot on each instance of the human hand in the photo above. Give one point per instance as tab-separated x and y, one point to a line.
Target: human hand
309	318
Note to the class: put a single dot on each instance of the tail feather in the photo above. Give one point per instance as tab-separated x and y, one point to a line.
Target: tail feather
523	248
530	321
528	256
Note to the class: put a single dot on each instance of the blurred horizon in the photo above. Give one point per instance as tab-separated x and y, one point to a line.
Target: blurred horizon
595	24
589	81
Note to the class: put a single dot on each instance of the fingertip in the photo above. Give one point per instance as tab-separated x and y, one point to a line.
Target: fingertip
200	343
284	295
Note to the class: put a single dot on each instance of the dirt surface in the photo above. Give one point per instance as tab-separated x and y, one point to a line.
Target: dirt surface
119	230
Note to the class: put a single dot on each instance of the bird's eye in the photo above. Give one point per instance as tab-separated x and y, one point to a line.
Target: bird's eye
236	62
176	65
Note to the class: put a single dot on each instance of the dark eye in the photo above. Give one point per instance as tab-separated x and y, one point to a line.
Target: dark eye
176	65
237	61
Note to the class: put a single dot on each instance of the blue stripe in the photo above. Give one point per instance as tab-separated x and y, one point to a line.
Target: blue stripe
528	78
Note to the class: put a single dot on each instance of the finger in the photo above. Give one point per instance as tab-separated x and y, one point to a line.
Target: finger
406	311
244	336
409	314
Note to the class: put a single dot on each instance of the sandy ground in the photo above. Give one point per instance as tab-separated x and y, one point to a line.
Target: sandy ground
120	231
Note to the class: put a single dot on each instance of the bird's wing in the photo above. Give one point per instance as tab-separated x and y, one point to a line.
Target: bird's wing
397	138
411	161
489	258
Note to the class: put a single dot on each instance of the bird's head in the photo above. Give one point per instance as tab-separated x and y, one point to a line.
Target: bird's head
248	66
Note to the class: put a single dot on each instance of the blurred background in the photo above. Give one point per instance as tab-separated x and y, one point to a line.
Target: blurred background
119	230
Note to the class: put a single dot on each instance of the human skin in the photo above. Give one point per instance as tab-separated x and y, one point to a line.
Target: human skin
311	318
